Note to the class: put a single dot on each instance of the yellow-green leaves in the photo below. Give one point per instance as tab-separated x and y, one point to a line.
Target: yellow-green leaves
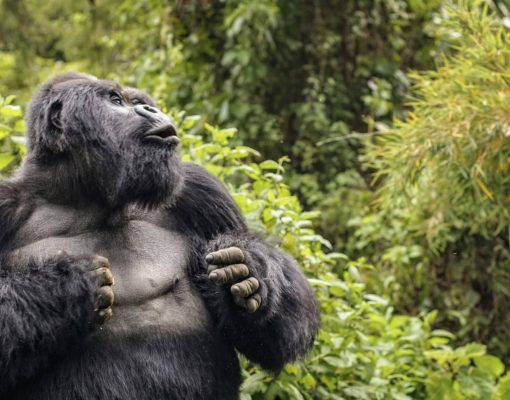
12	128
467	374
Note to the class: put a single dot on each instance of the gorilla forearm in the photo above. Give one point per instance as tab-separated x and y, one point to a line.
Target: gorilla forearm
43	307
283	328
14	210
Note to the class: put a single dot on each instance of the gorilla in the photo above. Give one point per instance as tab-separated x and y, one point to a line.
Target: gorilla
126	273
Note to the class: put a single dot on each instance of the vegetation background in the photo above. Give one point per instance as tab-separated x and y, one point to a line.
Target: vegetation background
390	124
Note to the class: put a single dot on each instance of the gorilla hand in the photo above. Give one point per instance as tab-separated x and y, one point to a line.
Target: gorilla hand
97	270
101	275
226	268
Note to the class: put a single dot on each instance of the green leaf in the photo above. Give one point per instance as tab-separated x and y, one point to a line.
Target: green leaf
295	392
5	130
11	111
269	164
441	387
190	121
372	298
491	364
338	362
358	392
309	382
6	160
254	383
20	126
503	389
471	350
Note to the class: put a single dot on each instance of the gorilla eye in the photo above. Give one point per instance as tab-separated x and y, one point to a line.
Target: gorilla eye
116	99
136	101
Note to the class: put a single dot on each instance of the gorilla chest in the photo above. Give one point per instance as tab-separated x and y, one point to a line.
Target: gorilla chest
149	264
147	261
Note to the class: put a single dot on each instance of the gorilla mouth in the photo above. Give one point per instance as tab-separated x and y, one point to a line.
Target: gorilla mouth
163	134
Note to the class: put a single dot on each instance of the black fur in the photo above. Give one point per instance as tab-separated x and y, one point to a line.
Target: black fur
43	309
88	158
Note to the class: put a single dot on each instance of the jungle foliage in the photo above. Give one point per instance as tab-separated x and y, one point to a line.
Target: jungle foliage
394	117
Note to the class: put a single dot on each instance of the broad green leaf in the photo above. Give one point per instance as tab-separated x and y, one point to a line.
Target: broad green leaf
6	160
20	126
503	389
11	111
491	364
269	164
308	382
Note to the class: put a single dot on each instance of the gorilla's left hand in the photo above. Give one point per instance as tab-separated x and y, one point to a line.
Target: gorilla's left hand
227	268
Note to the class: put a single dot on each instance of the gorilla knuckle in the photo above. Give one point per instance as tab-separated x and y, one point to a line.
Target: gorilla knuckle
253	303
246	287
105	297
240	270
104	315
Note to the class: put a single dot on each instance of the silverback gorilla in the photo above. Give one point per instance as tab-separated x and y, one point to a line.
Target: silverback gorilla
127	274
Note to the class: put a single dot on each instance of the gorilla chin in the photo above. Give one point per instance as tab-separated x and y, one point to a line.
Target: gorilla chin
151	174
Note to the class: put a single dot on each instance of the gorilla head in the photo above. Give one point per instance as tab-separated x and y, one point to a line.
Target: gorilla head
94	141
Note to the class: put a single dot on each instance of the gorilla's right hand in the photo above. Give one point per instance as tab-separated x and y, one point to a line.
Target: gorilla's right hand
97	270
102	277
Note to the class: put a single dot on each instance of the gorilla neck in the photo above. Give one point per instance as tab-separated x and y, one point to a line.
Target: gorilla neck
113	188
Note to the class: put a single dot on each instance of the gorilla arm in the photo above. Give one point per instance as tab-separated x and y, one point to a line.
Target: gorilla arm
44	306
259	297
267	308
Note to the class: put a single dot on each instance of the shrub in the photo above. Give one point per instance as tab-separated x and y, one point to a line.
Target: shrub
442	215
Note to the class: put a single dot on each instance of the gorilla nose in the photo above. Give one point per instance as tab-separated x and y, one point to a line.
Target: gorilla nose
150	113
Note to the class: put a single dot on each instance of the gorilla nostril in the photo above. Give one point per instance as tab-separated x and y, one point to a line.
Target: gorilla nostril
151	113
150	109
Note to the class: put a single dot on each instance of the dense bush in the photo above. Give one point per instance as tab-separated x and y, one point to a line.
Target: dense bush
442	217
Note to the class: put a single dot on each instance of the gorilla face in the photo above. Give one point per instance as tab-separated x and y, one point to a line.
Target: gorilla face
105	142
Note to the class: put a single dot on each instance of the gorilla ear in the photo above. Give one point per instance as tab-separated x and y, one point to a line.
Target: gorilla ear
54	138
54	114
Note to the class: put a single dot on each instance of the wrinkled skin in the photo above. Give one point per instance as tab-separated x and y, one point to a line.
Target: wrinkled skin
127	274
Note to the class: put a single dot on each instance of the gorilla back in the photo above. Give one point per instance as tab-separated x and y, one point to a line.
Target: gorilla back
126	274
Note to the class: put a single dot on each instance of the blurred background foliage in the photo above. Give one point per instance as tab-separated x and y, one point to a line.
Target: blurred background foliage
394	115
